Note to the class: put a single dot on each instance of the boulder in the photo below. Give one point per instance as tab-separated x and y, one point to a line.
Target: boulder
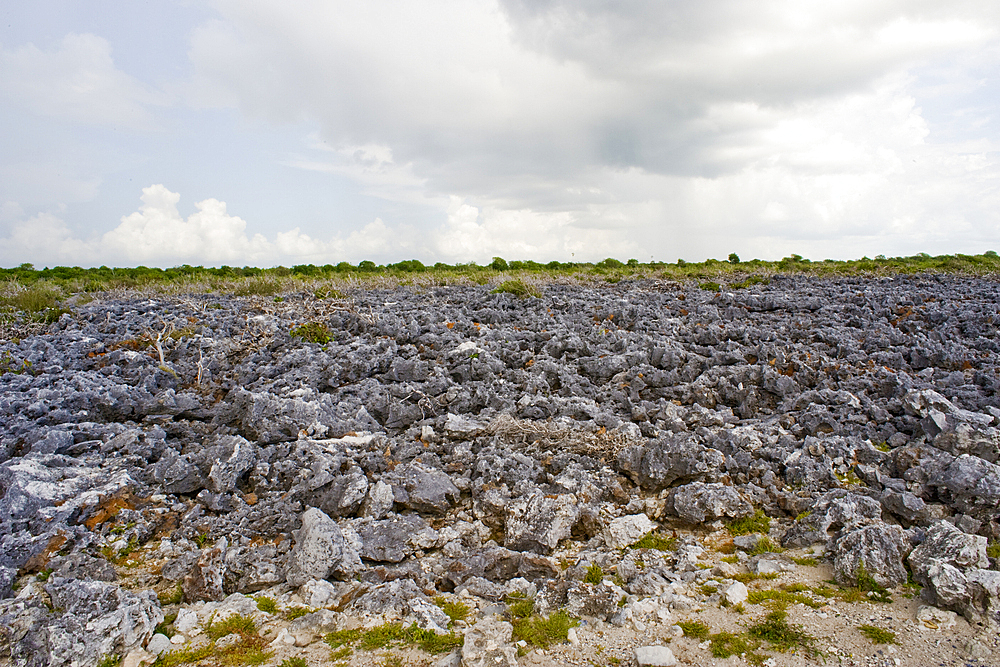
674	458
878	548
319	547
487	644
654	656
627	530
538	521
699	502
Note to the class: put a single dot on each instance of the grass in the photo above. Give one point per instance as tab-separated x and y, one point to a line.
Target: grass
866	583
747	577
542	632
171	595
656	540
695	629
595	574
518	288
237	623
456	611
294	662
757	523
993	549
781	597
747	282
519	606
110	661
390	634
710	286
166	626
732	560
765	545
249	649
313	332
727	644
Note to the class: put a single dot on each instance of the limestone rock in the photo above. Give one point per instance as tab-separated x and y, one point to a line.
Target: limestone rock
319	547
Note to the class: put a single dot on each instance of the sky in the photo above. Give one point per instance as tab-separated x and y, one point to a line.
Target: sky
250	132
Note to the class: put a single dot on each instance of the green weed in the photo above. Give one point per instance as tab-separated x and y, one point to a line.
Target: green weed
765	545
695	629
455	610
595	574
520	606
313	332
877	635
758	523
781	597
543	632
266	604
294	662
110	661
993	549
782	636
747	577
171	595
656	540
867	583
731	559
293	613
727	644
388	635
805	561
710	287
518	288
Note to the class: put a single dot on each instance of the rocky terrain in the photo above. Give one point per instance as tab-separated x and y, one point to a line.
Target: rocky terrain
639	471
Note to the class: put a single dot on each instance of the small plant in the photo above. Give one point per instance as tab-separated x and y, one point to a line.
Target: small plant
747	282
747	577
993	549
782	636
201	539
237	623
341	638
518	288
731	559
266	604
877	635
595	574
695	629
805	561
166	626
656	540
44	574
758	523
9	365
867	583
543	632
184	656
781	597
727	644
389	634
520	606
765	545
803	515
328	294
313	332
171	595
710	287
293	613
110	660
297	661
456	611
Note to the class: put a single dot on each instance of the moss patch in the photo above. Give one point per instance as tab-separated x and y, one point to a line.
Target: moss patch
877	635
542	632
758	523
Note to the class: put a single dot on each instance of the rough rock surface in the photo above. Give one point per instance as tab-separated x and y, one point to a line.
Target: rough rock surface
453	441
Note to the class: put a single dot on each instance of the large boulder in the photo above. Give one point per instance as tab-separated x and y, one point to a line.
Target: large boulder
836	511
953	429
318	550
669	460
487	644
952	567
878	548
698	502
423	489
538	521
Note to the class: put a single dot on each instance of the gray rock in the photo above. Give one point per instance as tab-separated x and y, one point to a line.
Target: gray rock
953	429
235	457
836	510
423	489
307	628
319	547
388	540
951	565
906	506
973	485
158	644
698	502
880	548
379	501
627	530
487	644
177	474
948	544
538	521
98	619
204	581
594	600
671	459
654	656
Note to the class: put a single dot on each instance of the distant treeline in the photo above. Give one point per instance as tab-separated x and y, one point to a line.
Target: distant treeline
97	278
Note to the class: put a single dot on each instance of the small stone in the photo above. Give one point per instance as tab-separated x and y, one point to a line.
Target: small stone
158	643
187	622
178	639
655	656
137	657
571	637
736	594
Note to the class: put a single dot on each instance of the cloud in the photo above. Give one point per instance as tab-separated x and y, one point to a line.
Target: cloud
79	82
601	127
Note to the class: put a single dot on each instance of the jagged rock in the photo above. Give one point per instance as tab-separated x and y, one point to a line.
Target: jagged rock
234	456
835	510
537	522
305	629
318	593
487	644
594	600
668	460
97	619
318	550
698	502
973	485
880	548
947	543
379	501
389	540
952	429
423	489
736	593
906	506
399	600
627	530
253	568
177	474
204	581
950	564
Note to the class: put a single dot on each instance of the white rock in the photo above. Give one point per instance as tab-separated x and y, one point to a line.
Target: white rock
284	638
158	644
137	657
178	639
932	618
317	593
572	638
627	530
187	622
655	656
736	594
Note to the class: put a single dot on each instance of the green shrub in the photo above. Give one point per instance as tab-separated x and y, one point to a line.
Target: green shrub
758	523
543	632
656	540
781	635
878	635
313	332
993	549
695	629
734	258
258	286
266	604
35	299
595	574
456	611
294	662
520	606
518	288
710	286
499	264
